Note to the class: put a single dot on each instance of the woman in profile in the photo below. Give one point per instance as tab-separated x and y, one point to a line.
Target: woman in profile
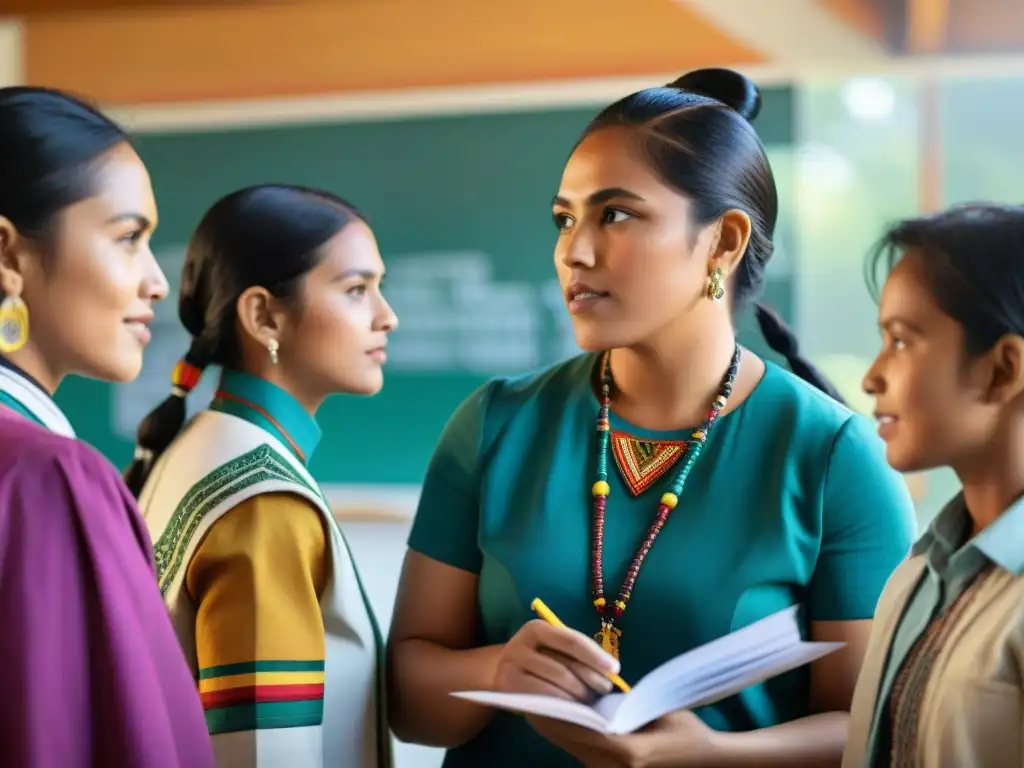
281	289
91	673
659	491
943	680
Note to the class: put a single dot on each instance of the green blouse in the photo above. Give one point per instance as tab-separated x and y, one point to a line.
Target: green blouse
790	502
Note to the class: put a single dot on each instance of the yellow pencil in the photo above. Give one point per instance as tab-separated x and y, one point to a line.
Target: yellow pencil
546	613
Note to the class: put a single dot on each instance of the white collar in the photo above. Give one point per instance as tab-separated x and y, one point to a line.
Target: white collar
28	394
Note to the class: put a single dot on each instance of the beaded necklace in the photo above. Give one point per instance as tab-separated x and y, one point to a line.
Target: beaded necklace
610	635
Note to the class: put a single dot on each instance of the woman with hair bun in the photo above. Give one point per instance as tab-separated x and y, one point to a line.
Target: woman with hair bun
281	289
91	674
657	492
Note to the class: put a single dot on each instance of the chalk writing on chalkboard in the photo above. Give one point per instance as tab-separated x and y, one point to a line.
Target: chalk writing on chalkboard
455	317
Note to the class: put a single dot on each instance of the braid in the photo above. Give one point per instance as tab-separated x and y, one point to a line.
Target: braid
164	422
782	340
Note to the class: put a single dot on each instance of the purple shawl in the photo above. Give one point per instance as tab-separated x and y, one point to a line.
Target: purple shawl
91	673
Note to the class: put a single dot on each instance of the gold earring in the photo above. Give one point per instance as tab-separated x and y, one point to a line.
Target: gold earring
716	286
272	347
13	324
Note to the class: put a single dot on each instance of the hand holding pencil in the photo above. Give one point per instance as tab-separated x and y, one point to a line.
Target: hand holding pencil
546	657
549	616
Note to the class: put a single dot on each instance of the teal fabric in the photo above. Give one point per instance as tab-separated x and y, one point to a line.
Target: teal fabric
11	402
952	561
790	502
238	392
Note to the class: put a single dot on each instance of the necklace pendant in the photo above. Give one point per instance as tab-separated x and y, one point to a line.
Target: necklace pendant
642	462
608	639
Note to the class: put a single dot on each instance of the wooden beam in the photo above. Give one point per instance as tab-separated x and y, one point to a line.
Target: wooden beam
930	179
791	31
927	25
865	15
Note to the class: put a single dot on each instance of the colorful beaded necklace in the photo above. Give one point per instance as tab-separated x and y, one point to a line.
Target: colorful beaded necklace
610	635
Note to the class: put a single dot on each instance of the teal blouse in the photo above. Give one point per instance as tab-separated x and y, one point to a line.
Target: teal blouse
790	502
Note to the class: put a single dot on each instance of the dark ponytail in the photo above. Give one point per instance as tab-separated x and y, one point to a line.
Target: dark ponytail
782	340
697	134
163	423
268	235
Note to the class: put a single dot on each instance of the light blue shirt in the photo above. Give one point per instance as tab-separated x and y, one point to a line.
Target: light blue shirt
952	561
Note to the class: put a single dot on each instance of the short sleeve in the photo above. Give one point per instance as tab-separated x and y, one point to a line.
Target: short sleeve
868	526
447	518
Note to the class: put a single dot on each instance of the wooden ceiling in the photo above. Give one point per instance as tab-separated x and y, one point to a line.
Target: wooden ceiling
161	51
38	8
185	53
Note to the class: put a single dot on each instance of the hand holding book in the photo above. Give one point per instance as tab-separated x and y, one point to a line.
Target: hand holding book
679	739
543	683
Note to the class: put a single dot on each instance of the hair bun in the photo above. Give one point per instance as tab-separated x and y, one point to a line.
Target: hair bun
724	85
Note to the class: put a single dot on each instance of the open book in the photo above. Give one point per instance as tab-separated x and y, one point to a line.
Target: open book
702	676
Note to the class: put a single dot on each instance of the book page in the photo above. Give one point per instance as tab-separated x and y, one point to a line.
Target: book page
722	683
717	658
712	659
701	676
595	717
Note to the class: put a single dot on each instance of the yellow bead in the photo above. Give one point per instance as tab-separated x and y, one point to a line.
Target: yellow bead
720	401
698	435
669	500
620	605
600	488
599	603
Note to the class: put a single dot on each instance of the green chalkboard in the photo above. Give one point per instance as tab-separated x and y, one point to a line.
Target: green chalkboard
460	205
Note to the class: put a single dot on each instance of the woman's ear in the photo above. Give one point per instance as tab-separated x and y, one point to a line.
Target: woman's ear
728	247
12	262
260	315
1005	381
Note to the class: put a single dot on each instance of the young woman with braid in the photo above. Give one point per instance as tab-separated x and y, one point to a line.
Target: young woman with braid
943	679
660	490
281	289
